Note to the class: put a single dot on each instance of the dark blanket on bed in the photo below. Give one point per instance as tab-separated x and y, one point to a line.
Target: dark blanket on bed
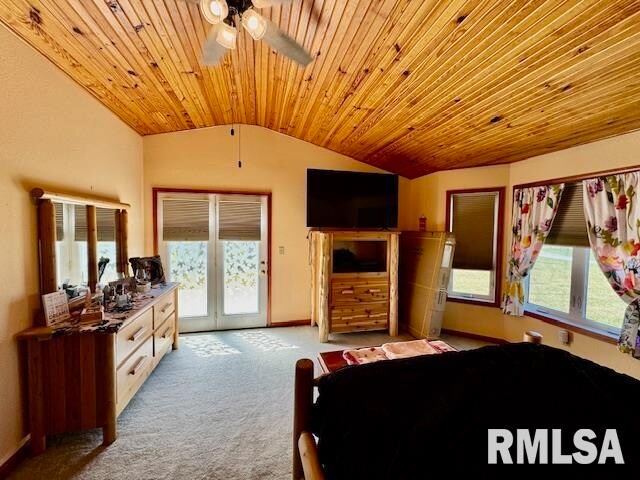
411	418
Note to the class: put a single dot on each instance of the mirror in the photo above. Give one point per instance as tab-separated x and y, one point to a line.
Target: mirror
73	239
76	236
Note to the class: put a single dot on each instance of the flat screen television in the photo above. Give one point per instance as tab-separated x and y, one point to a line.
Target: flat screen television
337	199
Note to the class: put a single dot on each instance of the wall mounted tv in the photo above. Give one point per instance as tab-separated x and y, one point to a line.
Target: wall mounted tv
338	199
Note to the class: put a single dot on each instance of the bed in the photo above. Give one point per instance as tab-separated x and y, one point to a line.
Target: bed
400	419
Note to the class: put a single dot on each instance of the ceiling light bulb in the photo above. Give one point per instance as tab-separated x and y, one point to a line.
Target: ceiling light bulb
214	11
254	23
227	36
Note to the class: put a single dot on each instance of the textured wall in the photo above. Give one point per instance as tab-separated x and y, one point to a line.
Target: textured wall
52	133
207	158
427	196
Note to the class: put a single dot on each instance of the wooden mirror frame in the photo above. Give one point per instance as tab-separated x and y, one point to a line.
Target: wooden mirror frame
47	235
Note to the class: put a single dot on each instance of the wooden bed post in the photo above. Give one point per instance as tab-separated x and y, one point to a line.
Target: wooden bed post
303	401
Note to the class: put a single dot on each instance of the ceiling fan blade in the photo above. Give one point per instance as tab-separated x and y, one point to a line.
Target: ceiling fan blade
212	51
268	3
315	13
286	45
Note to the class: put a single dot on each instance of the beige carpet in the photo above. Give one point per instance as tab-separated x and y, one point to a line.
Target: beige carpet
218	408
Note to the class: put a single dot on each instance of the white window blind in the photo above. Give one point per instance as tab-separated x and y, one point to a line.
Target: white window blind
80	223
570	227
59	209
473	223
239	220
106	224
185	220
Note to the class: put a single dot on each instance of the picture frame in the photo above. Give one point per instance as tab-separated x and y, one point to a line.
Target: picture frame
56	308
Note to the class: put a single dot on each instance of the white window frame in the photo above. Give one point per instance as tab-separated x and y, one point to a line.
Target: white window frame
491	298
577	315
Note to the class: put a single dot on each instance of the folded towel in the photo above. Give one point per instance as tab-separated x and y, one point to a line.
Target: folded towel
364	355
408	349
442	347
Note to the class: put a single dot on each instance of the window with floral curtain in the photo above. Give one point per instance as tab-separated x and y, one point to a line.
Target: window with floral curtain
533	212
613	221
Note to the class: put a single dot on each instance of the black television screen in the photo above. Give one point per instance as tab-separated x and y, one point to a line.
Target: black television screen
351	199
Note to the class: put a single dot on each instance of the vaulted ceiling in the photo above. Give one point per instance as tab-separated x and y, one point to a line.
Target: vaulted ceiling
411	86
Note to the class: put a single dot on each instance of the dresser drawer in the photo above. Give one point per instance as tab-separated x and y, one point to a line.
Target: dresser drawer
163	337
367	316
135	370
354	294
133	335
164	307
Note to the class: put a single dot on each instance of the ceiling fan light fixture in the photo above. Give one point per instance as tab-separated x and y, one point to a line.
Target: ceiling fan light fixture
254	23
214	11
227	36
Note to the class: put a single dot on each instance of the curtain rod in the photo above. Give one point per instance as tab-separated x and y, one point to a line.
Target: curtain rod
576	178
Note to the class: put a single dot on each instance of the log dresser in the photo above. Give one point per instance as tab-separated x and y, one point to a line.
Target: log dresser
82	375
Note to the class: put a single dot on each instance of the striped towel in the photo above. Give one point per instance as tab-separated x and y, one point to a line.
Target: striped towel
364	355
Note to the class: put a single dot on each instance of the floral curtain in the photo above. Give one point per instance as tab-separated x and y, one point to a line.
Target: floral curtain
613	221
533	212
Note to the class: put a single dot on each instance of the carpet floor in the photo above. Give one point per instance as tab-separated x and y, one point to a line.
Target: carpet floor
220	407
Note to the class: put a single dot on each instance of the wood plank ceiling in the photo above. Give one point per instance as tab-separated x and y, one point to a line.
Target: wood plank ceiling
412	86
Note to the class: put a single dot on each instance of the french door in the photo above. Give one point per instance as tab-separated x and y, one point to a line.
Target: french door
216	247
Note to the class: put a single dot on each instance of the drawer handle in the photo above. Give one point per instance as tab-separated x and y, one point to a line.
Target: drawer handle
138	366
347	292
164	335
374	290
139	333
164	309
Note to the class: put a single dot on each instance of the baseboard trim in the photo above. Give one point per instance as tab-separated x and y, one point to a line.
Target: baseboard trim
475	336
291	323
14	460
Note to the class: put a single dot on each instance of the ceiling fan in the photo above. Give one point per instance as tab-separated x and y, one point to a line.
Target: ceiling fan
225	17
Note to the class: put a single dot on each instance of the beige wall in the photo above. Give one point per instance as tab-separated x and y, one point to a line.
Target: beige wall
271	162
426	196
52	133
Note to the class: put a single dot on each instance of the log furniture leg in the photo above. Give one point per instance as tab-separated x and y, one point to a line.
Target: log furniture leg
36	397
109	430
176	331
92	247
303	400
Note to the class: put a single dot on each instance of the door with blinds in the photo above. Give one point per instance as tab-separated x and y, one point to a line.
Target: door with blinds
215	246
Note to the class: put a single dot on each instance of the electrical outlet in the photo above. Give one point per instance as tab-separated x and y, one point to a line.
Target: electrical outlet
281	250
564	336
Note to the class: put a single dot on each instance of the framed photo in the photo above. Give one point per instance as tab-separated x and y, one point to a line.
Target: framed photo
56	308
151	265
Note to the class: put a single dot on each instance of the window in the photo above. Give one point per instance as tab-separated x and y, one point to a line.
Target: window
185	236
475	217
566	282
